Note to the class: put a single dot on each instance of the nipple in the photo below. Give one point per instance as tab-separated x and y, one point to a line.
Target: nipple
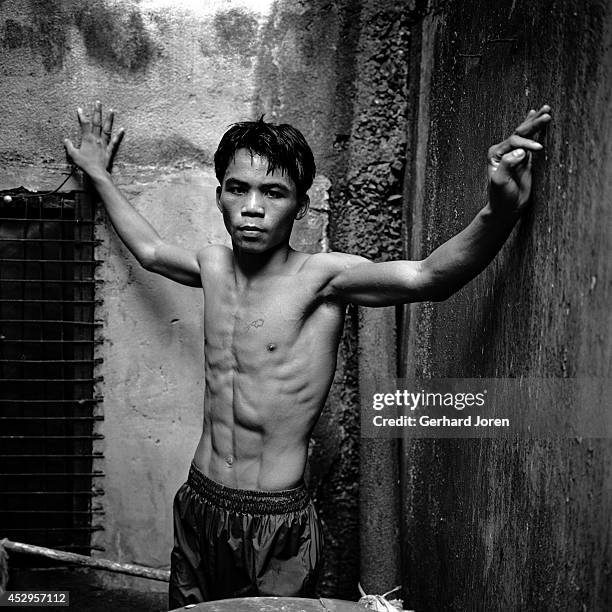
271	347
229	460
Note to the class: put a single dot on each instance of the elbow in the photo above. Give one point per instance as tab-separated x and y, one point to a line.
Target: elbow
147	258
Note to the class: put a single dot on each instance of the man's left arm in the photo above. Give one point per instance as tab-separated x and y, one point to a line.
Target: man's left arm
465	255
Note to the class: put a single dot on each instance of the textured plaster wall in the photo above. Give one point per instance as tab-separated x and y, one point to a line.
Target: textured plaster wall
366	219
177	76
501	525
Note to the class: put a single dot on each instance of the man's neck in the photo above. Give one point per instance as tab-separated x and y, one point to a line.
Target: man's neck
253	265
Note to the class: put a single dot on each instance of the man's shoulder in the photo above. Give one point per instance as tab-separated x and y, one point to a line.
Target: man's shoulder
214	254
324	268
333	262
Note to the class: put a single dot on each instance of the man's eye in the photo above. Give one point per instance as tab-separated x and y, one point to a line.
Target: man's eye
236	190
274	194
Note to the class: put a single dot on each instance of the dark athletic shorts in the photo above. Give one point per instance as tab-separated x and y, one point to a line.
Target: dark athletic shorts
242	543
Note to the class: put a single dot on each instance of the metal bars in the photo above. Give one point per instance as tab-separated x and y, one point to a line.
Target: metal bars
50	483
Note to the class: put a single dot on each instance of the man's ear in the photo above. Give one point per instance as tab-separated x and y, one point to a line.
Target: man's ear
304	203
218	196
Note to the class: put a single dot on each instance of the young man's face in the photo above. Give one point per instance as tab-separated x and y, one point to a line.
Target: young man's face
258	208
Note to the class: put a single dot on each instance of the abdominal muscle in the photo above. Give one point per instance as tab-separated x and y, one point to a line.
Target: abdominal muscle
258	439
253	463
264	393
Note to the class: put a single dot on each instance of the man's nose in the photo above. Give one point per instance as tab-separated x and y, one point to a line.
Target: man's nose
253	205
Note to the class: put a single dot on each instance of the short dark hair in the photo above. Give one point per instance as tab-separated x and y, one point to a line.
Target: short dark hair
282	145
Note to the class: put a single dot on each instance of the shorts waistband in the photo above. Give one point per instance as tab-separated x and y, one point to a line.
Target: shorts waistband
246	500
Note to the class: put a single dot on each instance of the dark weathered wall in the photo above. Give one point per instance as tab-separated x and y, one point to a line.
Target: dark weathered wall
366	219
525	525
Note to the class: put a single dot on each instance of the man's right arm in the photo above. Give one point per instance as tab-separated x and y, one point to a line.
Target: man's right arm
95	157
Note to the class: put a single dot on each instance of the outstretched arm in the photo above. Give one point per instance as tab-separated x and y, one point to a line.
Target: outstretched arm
95	157
465	255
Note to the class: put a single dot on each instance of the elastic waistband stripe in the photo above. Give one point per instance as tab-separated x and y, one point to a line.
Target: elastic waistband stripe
246	500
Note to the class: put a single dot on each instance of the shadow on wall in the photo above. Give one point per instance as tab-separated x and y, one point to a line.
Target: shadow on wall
113	35
235	36
174	150
48	35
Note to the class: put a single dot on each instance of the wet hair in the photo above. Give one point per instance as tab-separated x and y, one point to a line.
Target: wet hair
283	146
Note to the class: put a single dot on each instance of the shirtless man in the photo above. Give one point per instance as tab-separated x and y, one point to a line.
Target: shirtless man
244	523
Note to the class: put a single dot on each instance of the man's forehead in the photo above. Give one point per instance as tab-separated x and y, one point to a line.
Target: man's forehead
248	165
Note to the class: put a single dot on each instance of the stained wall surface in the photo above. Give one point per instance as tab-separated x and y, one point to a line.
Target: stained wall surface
521	524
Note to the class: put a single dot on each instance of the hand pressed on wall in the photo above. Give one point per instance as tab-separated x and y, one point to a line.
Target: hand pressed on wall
509	167
98	145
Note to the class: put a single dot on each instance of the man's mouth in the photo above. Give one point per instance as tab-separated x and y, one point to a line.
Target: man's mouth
251	229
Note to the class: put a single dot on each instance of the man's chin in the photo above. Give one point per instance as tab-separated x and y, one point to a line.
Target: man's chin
251	246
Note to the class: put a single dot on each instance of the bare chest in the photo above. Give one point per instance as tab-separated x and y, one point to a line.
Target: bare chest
266	315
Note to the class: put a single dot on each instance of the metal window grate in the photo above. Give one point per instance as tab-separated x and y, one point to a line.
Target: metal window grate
50	478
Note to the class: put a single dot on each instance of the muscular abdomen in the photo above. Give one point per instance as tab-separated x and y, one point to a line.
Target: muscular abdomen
268	372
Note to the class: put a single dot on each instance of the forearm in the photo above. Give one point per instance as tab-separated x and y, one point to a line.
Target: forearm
135	231
465	255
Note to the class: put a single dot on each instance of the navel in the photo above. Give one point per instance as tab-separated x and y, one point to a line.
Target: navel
229	460
271	347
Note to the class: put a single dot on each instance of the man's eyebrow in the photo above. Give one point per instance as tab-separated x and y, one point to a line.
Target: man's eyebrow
265	184
276	186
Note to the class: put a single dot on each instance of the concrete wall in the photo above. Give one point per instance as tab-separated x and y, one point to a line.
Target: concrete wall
178	74
522	525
